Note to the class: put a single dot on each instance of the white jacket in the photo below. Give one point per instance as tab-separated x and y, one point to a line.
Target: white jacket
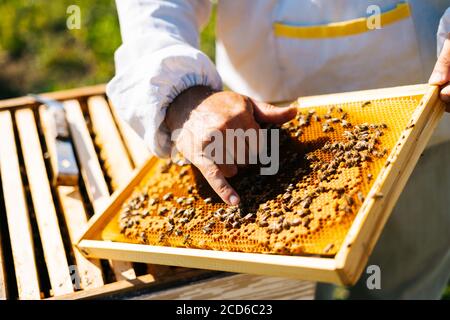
269	50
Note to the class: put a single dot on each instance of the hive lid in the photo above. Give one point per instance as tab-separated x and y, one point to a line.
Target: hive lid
411	114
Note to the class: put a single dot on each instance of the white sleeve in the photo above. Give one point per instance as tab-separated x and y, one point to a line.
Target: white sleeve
443	30
158	59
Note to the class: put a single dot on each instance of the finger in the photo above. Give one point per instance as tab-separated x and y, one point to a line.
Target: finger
445	93
267	113
441	72
445	96
228	170
217	181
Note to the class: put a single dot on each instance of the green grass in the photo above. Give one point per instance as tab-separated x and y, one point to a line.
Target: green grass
446	295
208	36
38	53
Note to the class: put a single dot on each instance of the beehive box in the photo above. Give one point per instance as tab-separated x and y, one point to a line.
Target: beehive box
344	161
39	221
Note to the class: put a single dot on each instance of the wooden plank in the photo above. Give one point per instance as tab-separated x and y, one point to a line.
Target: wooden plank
92	173
147	282
59	95
89	270
17	213
89	165
238	287
295	267
52	244
3	288
107	136
136	146
364	95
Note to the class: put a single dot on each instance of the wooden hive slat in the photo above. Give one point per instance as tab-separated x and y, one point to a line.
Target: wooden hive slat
3	273
17	212
89	165
44	207
114	153
89	270
75	93
92	173
3	292
135	145
138	149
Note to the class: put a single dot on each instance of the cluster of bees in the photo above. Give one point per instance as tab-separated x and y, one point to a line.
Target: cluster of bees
277	214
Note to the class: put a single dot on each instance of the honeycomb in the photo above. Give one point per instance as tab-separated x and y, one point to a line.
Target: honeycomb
330	156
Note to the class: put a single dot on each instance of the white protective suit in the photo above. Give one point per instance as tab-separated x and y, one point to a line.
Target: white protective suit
279	50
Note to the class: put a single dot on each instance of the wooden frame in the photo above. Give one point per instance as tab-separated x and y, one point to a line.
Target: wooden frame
347	265
78	93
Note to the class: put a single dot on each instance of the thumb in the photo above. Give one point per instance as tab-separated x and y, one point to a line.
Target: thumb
441	72
267	113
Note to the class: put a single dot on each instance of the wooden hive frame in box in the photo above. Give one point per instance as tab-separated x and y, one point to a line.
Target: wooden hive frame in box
39	221
346	266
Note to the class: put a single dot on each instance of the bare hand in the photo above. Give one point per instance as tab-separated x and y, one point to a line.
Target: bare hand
199	111
441	73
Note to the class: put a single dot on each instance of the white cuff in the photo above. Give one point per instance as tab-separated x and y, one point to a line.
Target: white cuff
143	91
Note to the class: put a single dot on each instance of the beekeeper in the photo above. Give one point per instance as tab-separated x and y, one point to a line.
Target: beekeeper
274	51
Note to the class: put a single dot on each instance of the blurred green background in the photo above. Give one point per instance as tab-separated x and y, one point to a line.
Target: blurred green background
39	53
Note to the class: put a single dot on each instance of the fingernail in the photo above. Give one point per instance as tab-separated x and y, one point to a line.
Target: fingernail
445	94
234	200
436	78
